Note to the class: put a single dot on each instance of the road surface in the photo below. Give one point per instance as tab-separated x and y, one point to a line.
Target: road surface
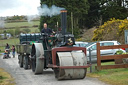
27	77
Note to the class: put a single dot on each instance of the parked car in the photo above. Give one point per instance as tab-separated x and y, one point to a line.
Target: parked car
80	44
92	46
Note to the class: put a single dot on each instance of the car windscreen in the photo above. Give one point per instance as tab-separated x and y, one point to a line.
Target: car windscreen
76	45
80	45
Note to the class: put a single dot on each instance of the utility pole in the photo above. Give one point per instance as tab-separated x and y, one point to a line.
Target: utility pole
72	21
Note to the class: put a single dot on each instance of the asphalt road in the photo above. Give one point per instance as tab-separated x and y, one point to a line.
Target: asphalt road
26	77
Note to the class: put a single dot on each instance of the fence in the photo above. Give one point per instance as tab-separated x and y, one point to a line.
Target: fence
109	57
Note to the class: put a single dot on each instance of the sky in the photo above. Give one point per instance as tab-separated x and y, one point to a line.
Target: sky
18	7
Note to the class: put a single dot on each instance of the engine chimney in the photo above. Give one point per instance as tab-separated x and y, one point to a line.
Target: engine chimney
64	21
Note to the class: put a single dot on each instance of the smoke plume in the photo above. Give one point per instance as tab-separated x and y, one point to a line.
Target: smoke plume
32	17
44	10
2	22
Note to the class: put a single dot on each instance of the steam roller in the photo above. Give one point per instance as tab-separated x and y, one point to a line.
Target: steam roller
56	52
67	62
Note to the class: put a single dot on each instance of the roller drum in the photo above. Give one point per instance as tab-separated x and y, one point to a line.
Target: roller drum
71	59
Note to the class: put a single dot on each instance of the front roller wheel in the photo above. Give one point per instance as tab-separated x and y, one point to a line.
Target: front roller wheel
71	59
60	73
37	58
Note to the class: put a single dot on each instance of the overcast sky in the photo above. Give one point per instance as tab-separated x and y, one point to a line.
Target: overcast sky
18	7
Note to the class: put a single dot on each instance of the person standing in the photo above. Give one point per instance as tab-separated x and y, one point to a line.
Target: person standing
46	29
13	51
7	46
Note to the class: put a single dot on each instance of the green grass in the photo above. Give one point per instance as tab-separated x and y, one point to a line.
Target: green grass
13	41
105	63
9	41
2	78
5	78
111	76
2	49
19	24
33	30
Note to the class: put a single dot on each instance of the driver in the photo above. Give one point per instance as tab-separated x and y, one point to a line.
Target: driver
46	29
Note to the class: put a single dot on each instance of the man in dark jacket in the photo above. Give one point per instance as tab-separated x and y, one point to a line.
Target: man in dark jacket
46	29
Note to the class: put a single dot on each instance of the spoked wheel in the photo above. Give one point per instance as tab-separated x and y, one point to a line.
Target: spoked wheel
70	59
25	63
37	58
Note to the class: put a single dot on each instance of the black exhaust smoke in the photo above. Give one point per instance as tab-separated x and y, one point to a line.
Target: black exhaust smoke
64	21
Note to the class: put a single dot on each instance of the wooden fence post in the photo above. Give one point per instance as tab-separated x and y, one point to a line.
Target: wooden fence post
98	57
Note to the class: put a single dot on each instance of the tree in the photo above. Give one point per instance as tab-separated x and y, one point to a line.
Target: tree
79	8
86	13
113	9
93	16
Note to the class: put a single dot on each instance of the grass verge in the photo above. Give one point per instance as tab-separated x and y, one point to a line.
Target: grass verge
5	78
112	76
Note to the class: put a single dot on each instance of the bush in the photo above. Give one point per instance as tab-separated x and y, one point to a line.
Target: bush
12	32
119	52
26	30
17	31
111	30
36	30
125	60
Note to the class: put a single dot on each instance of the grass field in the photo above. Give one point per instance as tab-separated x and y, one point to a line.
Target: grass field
111	76
5	78
19	24
32	29
9	41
